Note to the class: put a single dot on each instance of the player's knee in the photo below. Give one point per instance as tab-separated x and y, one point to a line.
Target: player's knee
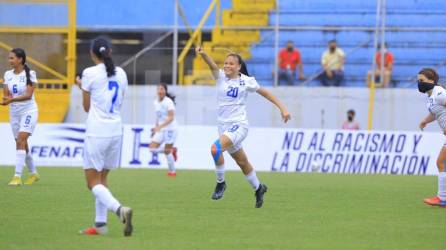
21	143
216	150
213	149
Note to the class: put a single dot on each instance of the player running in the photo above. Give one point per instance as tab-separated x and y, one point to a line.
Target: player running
165	130
233	86
436	104
103	88
18	93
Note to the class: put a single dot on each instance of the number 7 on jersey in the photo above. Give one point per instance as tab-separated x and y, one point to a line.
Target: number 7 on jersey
113	85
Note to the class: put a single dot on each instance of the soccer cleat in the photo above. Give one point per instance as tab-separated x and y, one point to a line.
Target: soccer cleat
16	181
219	191
174	153
94	231
435	201
259	195
125	215
32	179
172	174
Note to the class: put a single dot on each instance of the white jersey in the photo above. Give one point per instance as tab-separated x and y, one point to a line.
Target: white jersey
162	109
16	84
232	95
437	105
106	96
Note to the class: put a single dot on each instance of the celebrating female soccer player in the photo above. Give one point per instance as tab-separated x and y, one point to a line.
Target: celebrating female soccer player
165	130
103	87
436	104
233	85
19	93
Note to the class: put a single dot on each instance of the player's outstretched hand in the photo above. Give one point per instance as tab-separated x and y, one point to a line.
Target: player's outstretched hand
199	50
286	116
423	125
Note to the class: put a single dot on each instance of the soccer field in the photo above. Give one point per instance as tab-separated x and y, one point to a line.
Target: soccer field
301	211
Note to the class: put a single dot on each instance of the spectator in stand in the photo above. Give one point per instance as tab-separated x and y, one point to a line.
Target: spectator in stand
350	124
289	61
388	66
333	64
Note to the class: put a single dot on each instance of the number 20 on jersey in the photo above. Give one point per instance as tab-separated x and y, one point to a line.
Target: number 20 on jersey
232	92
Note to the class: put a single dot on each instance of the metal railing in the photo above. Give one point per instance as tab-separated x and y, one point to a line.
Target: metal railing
196	36
69	30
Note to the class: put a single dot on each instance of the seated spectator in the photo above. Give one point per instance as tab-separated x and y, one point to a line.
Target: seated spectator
289	61
388	66
350	124
333	64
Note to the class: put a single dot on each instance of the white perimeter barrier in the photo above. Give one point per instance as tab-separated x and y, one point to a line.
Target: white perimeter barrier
268	149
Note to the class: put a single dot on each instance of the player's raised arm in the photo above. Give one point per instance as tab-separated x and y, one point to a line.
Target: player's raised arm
270	97
209	61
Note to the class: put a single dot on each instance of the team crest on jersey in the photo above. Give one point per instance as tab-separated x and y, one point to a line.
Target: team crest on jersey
242	82
22	79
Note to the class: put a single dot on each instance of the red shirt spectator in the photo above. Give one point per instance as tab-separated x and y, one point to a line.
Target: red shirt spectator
289	59
388	59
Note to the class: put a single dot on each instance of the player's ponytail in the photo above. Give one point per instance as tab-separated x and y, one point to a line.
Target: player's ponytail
243	68
20	53
168	94
101	48
28	74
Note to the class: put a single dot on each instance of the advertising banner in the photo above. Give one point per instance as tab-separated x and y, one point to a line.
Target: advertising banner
268	149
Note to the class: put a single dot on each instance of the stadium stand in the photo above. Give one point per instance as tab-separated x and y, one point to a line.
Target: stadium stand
412	46
243	13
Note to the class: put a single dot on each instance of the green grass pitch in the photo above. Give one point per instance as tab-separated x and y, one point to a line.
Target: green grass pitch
301	211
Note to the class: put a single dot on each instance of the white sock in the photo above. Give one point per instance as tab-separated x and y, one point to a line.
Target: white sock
101	212
30	163
170	162
105	197
19	162
253	180
220	173
442	186
157	150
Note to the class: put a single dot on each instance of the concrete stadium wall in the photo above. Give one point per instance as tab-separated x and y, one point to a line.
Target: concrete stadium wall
395	109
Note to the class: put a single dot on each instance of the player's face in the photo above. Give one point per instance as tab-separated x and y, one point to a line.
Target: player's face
13	60
161	92
231	66
423	78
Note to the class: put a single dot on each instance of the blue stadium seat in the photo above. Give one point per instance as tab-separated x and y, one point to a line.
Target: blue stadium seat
412	49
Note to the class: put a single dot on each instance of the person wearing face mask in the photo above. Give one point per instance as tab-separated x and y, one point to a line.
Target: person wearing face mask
350	123
332	62
290	60
436	104
388	66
